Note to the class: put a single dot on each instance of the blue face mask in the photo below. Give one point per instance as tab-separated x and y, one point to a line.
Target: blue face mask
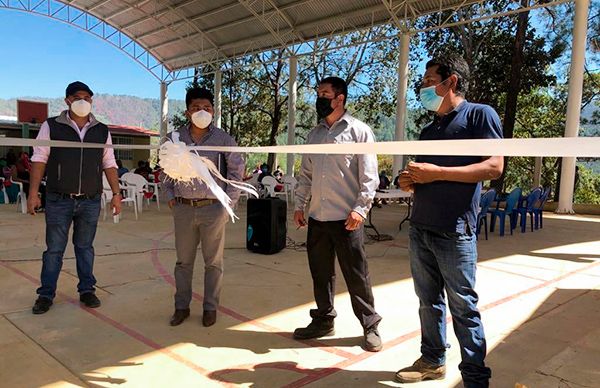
430	99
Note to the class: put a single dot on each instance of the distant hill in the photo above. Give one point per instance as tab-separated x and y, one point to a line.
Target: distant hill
111	109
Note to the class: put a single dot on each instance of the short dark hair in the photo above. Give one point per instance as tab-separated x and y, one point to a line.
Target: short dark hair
338	85
452	64
198	93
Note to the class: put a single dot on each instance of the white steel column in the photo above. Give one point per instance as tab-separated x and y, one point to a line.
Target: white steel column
567	180
292	94
164	109
218	103
537	172
401	98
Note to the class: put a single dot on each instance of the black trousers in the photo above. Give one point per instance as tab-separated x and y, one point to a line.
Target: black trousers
325	241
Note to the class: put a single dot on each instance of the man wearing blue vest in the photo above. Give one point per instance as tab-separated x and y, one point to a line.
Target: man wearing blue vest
73	186
443	245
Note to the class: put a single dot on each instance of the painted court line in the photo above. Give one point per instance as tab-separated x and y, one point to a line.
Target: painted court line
492	268
309	377
388	345
117	325
350	357
227	311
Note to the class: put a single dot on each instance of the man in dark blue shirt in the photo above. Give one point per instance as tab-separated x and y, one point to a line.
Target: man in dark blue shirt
443	250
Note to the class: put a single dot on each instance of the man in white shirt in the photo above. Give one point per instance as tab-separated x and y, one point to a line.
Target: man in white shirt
340	189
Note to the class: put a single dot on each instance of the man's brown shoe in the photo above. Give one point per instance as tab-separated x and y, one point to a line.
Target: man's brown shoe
179	316
421	370
209	317
373	339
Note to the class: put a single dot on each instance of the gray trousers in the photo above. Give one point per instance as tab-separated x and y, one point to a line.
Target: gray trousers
204	226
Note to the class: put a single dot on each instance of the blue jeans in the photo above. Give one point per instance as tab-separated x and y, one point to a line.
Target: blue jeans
448	261
60	212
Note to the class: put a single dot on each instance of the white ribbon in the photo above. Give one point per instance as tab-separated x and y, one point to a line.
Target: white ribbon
583	147
181	165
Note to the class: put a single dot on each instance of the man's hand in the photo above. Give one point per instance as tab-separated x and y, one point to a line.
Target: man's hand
115	203
33	202
353	221
172	203
405	182
424	172
299	219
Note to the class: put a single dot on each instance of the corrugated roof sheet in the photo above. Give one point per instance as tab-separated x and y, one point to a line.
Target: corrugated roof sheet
185	33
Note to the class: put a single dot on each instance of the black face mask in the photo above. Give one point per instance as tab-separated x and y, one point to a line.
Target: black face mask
323	106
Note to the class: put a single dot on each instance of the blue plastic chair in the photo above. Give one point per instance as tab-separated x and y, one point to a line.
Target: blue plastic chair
531	201
538	209
486	201
511	201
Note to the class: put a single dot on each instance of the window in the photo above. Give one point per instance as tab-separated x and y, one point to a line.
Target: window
122	153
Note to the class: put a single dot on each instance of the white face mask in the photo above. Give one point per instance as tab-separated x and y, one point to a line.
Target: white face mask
81	108
201	119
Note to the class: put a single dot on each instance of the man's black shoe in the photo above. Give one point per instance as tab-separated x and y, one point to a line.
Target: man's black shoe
209	318
90	300
41	305
317	328
179	316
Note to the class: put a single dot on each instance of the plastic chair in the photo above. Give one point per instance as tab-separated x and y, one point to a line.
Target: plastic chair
269	183
290	184
511	201
538	208
531	201
486	201
107	197
141	188
21	197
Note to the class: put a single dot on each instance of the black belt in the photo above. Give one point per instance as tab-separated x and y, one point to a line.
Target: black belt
196	202
74	196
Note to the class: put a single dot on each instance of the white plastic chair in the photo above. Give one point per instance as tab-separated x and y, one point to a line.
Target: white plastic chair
141	186
107	195
290	184
21	197
269	183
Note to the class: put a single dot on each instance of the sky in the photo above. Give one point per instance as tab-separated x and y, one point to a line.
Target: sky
40	56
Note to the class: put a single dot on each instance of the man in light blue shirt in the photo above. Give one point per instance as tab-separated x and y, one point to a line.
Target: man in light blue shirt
338	191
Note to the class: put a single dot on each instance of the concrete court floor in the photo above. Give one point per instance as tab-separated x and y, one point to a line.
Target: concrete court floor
539	297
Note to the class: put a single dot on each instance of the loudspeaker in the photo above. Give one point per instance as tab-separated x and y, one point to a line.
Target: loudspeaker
266	225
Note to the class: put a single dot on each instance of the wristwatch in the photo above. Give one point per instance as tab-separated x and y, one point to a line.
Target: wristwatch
116	194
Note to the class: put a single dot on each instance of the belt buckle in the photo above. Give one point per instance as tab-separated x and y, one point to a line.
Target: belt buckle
201	202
